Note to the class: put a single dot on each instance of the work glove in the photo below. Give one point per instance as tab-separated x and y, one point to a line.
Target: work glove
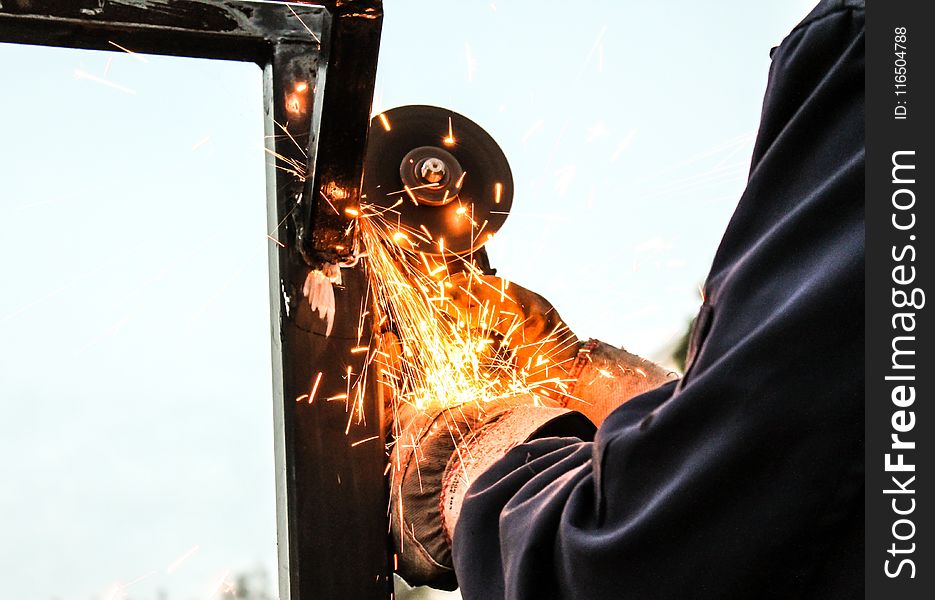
591	377
438	454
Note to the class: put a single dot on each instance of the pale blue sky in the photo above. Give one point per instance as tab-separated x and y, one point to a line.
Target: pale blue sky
134	350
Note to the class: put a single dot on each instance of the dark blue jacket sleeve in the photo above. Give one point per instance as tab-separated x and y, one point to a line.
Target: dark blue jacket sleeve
745	478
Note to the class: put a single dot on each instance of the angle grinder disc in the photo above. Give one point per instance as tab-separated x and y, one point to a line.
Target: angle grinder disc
440	174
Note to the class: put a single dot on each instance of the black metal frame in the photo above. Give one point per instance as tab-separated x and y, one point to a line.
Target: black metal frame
319	63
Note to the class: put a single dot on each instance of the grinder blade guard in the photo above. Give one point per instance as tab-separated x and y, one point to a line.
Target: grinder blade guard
443	177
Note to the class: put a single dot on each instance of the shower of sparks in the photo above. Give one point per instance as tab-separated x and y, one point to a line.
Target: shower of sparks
442	359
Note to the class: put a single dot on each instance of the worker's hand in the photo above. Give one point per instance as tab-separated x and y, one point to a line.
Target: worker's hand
540	343
593	378
436	456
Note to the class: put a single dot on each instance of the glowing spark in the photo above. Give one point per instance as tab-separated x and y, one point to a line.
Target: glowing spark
311	395
301	87
411	189
385	122
81	74
411	195
221	585
532	131
450	139
138	57
175	564
201	142
347	396
359	349
295	167
275	241
461	210
289	135
701	293
114	591
352	212
566	176
310	32
460	180
497	192
623	145
598	43
369	439
640	371
597	131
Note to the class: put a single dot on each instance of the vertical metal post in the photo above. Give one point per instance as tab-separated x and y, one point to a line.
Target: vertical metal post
330	481
319	64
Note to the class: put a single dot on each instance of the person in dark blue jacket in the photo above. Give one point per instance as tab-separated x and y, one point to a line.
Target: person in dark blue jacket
742	479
